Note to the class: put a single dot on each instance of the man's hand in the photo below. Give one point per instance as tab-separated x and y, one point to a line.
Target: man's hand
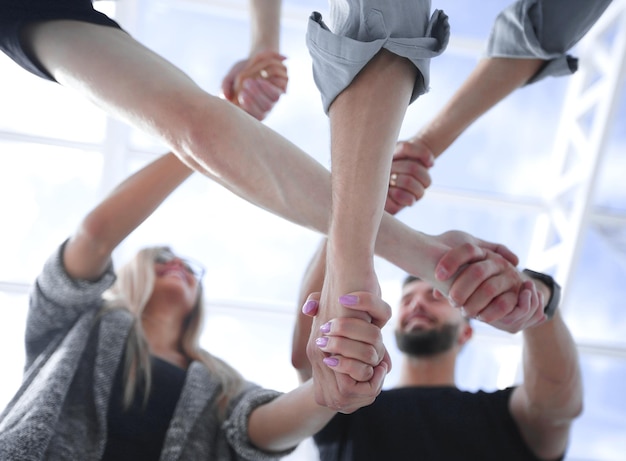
409	175
487	285
256	84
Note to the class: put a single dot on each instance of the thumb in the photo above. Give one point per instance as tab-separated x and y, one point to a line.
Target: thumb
311	304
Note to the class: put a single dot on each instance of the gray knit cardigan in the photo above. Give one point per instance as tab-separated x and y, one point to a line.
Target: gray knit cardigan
60	411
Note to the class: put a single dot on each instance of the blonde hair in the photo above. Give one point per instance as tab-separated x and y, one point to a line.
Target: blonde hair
131	291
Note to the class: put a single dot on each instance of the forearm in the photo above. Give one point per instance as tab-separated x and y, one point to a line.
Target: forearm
288	419
121	212
361	151
491	81
552	379
271	172
312	282
550	398
265	25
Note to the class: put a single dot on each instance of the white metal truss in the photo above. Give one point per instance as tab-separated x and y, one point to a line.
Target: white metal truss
580	146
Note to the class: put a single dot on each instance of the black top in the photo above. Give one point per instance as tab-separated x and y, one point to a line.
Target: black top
426	424
138	432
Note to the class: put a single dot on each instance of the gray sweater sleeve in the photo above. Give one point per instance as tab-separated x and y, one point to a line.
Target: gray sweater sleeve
236	426
544	29
57	301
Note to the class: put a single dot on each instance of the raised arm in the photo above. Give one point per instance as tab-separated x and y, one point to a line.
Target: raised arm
312	282
412	188
528	42
88	252
357	346
490	82
255	84
265	25
219	140
550	397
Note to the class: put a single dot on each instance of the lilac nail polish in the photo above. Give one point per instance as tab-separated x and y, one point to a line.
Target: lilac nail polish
325	328
322	342
309	306
331	361
348	300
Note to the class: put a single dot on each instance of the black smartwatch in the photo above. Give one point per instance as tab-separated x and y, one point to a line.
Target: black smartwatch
555	291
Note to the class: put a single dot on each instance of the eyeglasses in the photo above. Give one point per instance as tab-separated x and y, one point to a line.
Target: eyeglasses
193	267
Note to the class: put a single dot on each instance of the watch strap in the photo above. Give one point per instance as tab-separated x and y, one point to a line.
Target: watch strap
555	291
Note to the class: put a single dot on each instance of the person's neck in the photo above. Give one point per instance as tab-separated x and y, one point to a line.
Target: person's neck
162	333
437	370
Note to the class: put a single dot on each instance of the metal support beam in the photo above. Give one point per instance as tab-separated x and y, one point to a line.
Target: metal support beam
580	145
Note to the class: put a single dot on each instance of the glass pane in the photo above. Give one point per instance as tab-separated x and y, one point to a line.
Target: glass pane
46	191
594	311
37	107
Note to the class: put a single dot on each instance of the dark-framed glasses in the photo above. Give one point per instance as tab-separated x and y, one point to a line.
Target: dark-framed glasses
193	267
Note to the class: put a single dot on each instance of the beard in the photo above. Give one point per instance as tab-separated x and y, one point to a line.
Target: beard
424	343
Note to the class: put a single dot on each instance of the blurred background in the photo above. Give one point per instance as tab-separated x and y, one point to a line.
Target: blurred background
542	173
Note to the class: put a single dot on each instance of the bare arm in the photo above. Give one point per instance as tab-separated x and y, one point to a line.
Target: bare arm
288	419
312	282
492	80
313	279
520	50
356	347
265	28
550	398
221	141
255	84
88	252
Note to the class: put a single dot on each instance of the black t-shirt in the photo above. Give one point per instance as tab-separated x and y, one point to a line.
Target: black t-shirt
426	424
138	433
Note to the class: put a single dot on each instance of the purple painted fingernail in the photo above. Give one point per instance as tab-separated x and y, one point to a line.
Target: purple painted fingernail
309	306
348	300
322	342
331	361
441	274
325	328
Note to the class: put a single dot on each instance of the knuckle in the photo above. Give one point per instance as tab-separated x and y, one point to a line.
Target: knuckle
479	271
371	357
427	180
364	373
388	312
414	168
469	247
491	290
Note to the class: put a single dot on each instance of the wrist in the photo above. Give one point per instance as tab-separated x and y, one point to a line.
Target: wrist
554	298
